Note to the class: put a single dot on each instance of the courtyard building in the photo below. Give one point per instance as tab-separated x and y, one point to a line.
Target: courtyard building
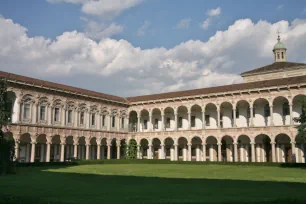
248	122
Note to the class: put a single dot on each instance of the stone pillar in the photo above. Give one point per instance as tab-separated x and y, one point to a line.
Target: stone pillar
175	152
241	153
231	153
203	120
138	124
150	152
48	151
162	122
62	152
118	151
211	154
138	152
189	152
87	150
198	153
219	152
150	122
234	114
271	115
236	151
273	151
109	151
16	150
294	155
185	153
162	156
75	151
175	121
291	115
98	151
189	120
34	117
204	152
251	116
33	151
303	153
283	159
218	117
253	151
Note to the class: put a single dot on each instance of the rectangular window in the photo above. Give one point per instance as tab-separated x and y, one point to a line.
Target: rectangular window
286	110
145	124
156	123
278	56
282	55
93	119
168	123
42	115
26	113
266	110
122	122
103	120
113	121
56	114
193	121
180	122
69	116
82	118
207	120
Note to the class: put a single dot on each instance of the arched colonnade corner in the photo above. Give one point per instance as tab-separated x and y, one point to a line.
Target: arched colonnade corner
260	111
242	148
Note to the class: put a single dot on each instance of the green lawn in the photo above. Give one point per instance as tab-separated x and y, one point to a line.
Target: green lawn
157	183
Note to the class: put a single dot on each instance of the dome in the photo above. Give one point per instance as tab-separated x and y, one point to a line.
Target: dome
279	45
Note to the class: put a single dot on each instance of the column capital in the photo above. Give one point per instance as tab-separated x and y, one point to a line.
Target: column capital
272	143
189	144
219	143
252	143
63	143
235	143
34	142
293	142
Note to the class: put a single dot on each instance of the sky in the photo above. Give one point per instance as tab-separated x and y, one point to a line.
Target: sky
139	47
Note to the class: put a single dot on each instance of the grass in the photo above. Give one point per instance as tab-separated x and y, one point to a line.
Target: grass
156	183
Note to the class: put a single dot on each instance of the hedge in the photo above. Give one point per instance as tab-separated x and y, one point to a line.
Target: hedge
145	161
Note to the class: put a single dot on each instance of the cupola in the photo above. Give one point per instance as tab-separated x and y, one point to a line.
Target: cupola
279	51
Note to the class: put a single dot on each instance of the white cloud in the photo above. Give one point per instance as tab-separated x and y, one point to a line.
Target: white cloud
206	24
117	67
105	9
183	24
143	29
214	12
279	7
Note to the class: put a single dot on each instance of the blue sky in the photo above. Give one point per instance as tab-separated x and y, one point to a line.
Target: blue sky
149	40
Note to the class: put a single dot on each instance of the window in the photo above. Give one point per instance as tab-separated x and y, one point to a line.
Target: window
207	120
122	122
237	113
180	122
113	121
278	57
69	116
156	123
42	115
26	113
82	118
282	55
266	110
193	121
168	123
286	110
103	120
56	114
9	107
145	124
93	119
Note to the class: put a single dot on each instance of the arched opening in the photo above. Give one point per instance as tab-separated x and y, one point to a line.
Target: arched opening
227	152
300	150
156	119
297	106
12	106
196	152
93	148
211	116
281	111
212	148
82	148
283	148
242	114
182	148
244	149
144	121
69	149
144	148
169	119
156	148
133	121
169	148
196	117
25	148
226	115
263	148
55	153
113	149
104	148
261	112
182	118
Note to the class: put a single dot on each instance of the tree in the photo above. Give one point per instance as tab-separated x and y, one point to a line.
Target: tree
6	146
302	122
131	150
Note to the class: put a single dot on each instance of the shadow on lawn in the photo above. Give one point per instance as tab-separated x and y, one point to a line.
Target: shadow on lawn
92	189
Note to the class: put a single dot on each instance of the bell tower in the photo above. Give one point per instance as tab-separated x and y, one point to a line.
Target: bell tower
279	51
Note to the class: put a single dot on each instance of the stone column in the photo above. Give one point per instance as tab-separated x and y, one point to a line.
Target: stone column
294	156
162	156
189	120
34	119
219	152
291	115
251	116
211	154
175	152
189	152
303	153
118	151
138	124
175	121
273	151
150	152
98	151
150	122
234	114
203	120
271	115
204	152
241	153
62	152
231	153
138	152
87	151
258	152
16	150
49	115
48	151
283	153
198	153
253	151
33	151
218	117
109	151
162	122
75	151
235	151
